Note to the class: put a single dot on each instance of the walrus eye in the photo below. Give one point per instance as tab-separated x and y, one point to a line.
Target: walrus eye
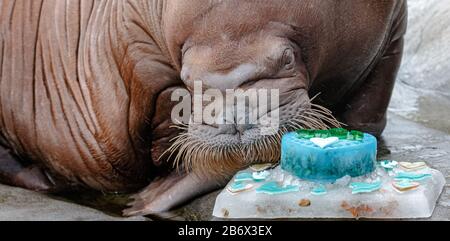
288	59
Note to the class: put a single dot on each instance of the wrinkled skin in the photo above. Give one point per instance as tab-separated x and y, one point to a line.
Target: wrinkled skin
85	85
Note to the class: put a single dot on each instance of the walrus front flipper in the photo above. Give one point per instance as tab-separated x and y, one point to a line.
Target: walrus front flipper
13	173
366	110
169	192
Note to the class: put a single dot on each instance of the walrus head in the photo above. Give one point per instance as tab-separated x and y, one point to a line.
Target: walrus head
250	53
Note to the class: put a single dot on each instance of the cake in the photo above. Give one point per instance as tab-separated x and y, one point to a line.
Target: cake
327	155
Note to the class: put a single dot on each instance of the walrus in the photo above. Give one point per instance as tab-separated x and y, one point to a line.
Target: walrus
85	86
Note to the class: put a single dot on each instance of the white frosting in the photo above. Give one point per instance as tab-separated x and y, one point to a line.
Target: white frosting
324	142
261	175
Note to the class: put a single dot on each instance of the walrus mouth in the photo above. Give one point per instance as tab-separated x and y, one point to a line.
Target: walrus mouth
200	155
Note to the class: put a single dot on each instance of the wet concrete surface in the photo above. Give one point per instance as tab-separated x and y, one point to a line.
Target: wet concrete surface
418	130
422	92
21	205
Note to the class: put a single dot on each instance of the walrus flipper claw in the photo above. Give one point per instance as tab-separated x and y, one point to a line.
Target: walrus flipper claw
169	192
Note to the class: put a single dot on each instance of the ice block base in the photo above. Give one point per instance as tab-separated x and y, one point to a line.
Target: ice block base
387	202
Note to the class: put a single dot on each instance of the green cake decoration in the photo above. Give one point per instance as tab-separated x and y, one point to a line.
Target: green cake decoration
340	133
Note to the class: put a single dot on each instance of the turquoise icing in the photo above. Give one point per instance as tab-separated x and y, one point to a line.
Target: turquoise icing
411	176
319	190
389	164
243	176
260	176
361	187
304	159
251	176
405	184
238	186
273	188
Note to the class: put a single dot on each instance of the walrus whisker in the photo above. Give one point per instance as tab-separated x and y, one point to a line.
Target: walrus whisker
330	119
181	154
304	123
318	124
196	151
315	97
311	124
179	141
198	156
178	156
324	118
174	147
191	153
327	114
320	107
295	125
248	152
324	114
179	127
274	142
179	136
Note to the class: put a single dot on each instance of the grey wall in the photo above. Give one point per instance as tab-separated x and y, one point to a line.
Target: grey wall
422	92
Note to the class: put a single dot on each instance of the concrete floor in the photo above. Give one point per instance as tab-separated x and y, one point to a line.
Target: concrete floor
21	205
418	130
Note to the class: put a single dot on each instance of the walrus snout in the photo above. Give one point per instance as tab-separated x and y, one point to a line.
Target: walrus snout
223	149
265	62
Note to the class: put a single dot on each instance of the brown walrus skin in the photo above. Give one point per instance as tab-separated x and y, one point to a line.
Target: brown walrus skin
85	85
